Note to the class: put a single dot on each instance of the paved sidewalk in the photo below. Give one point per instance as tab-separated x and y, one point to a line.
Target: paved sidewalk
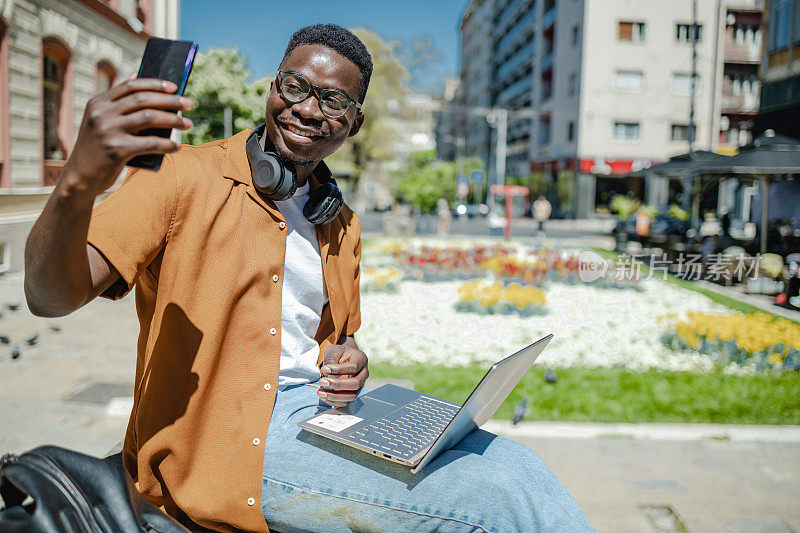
72	387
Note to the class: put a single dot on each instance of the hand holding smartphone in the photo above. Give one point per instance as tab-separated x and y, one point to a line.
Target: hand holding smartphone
166	60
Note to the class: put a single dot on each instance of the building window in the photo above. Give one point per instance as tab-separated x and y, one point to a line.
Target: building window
572	88
684	33
780	24
576	35
631	31
679	132
629	81
570	132
5	180
106	74
56	106
544	132
626	131
682	84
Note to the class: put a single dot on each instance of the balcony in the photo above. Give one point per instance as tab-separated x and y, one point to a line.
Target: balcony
741	103
519	58
515	34
549	18
742	52
547	62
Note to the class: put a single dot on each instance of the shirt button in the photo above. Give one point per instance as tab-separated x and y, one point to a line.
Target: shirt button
273	331
251	501
282	225
256	441
267	386
275	278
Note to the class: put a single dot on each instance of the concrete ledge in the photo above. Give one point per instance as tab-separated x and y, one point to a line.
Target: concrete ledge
674	432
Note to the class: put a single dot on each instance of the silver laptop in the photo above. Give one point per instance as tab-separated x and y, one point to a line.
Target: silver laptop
412	428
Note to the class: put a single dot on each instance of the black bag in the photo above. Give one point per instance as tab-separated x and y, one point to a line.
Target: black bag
54	490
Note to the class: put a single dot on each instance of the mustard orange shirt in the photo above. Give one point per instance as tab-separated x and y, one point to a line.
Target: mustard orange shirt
205	253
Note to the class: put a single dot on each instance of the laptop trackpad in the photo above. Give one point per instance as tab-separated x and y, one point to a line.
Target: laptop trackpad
379	402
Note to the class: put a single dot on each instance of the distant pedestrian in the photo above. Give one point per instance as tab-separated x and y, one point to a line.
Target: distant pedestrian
541	211
443	212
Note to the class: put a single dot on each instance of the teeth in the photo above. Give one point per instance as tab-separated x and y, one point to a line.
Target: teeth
297	131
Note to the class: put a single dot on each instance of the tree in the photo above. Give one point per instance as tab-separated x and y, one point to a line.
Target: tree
219	80
375	143
425	179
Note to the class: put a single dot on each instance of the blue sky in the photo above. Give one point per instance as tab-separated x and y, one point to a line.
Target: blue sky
261	29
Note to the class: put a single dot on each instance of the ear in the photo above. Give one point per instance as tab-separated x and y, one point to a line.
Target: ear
356	124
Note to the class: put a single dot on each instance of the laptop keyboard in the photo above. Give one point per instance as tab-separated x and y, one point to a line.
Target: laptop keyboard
408	430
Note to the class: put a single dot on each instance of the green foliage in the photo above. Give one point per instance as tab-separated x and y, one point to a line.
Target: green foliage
618	395
425	179
219	79
421	159
677	212
624	206
565	184
424	186
375	142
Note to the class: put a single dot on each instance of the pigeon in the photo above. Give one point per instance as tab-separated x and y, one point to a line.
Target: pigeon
520	411
4	339
12	307
31	341
55	327
550	376
15	352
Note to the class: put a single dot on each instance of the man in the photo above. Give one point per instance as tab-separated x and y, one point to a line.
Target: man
228	357
541	211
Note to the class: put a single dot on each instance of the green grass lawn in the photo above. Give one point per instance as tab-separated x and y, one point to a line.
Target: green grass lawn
617	395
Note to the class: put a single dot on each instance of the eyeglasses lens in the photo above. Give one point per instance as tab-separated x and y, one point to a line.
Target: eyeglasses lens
295	88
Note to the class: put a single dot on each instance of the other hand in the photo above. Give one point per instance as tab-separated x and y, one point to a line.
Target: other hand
344	372
107	138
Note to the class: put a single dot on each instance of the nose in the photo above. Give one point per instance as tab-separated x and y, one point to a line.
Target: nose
309	108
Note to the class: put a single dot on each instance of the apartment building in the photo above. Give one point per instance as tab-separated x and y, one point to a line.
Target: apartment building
472	134
54	56
741	85
610	88
780	69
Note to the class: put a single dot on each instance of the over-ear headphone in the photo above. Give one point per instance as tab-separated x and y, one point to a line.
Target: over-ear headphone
274	177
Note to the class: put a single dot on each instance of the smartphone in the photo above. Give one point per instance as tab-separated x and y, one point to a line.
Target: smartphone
166	60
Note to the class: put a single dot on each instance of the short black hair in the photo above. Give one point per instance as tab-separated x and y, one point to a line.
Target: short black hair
342	41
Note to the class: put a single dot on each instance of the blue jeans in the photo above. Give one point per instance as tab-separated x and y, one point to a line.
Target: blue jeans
485	483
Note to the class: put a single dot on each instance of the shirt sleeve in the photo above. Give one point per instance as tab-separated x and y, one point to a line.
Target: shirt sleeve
354	318
131	226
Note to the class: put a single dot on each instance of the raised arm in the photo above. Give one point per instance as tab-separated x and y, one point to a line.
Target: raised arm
62	271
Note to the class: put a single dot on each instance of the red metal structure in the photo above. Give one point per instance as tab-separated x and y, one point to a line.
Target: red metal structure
509	192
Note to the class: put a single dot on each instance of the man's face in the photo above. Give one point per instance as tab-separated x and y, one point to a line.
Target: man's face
300	130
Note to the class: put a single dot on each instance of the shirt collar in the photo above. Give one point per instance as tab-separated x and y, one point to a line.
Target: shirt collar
237	167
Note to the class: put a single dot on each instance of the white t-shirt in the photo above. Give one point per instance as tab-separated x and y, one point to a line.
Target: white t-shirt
304	294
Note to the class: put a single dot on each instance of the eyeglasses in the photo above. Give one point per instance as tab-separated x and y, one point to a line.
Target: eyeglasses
333	103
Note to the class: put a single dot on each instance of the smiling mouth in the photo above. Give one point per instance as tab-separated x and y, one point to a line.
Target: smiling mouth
301	132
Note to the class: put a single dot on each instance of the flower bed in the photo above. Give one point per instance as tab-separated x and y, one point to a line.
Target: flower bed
431	264
381	279
434	317
755	341
593	326
493	298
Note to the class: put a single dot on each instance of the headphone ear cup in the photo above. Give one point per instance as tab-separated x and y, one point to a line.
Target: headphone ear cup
324	204
271	177
266	173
